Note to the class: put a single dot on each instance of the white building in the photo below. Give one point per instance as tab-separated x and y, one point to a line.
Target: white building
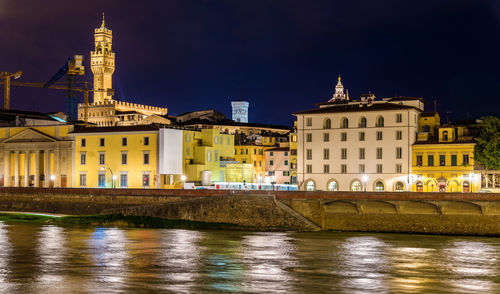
356	145
240	111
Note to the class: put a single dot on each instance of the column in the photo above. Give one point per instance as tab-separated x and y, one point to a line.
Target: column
37	168
6	156
46	165
16	169
57	168
27	157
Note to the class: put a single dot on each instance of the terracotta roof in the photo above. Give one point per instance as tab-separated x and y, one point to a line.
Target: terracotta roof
136	128
278	149
356	107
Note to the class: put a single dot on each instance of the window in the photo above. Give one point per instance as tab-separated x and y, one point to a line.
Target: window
309	121
327	123
453	160
399	135
255	151
356	185
343	136
309	168
399	117
419	160
361	153
344	123
465	159
399	168
326	154
326	137
379	168
83	180
379	186
445	136
216	140
146	140
123	180
102	158
286	153
124	141
379	153
362	122
310	186
101	142
209	156
271	153
442	160
84	142
271	162
83	158
309	154
426	128
333	186
379	136
326	168
145	157
145	180
309	137
361	136
343	153
399	187
286	162
101	180
228	140
361	168
343	168
124	157
292	152
430	160
216	156
399	152
380	122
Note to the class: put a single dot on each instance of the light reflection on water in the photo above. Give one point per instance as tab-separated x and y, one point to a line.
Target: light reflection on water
44	259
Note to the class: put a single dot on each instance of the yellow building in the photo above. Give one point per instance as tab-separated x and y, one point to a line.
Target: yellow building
204	155
254	156
444	162
293	155
113	157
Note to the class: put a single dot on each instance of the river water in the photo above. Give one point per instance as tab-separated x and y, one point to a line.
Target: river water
52	259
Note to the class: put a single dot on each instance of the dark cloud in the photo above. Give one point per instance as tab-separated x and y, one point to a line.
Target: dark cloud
282	56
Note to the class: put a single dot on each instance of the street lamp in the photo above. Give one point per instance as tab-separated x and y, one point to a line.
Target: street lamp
6	86
365	179
113	177
52	178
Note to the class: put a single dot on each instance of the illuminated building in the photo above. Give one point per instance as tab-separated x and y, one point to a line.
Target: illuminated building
240	111
278	165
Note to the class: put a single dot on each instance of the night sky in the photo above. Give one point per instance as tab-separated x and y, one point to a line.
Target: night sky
281	56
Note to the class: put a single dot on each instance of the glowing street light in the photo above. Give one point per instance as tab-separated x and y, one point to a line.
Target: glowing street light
183	178
365	179
113	177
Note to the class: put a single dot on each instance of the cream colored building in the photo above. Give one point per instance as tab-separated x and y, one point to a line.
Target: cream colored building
104	110
356	145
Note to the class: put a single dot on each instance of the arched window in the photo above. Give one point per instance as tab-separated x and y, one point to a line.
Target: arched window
362	122
356	185
344	123
380	121
426	128
399	187
310	186
333	186
420	186
466	187
445	136
327	123
379	186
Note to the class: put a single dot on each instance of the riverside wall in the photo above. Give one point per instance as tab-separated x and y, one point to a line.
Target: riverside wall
406	212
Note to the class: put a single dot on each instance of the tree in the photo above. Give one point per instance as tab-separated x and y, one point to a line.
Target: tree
487	150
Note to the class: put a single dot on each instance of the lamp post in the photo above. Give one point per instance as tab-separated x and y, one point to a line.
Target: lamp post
183	179
113	178
365	179
6	86
52	178
472	179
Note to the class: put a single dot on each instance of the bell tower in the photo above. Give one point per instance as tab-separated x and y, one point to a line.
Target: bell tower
102	63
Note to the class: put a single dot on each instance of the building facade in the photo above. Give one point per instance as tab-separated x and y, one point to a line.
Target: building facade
240	111
278	165
357	145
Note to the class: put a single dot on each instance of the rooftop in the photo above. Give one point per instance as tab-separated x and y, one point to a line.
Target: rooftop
339	108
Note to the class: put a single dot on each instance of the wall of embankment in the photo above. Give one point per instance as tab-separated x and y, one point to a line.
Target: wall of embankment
436	213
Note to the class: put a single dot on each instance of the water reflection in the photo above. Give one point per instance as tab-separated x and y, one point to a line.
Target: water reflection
413	269
180	256
107	246
363	265
473	266
267	257
5	250
51	249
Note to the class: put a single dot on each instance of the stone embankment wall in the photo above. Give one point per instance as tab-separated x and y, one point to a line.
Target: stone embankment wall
438	213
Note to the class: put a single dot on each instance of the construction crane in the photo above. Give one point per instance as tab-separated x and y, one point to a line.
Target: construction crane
72	68
5	76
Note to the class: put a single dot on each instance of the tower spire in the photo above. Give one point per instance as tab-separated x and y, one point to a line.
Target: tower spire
103	23
339	92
